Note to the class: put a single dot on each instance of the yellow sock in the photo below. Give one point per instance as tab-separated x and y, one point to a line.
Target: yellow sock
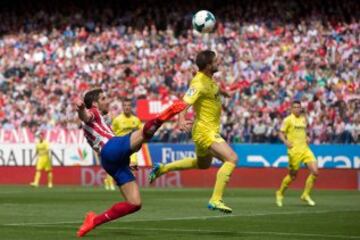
134	159
106	182
185	163
111	182
37	177
285	183
309	184
222	178
50	178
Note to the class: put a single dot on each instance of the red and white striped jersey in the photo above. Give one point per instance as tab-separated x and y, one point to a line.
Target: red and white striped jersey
97	130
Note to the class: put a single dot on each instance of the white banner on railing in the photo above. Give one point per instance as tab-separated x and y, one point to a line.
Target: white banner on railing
61	155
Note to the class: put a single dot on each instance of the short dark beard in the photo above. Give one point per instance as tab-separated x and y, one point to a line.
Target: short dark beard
214	70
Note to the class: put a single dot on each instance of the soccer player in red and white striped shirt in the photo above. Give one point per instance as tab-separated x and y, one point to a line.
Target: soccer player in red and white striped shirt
115	152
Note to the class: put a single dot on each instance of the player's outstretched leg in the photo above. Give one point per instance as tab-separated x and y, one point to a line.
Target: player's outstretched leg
222	178
279	195
153	125
36	181
155	172
50	179
309	184
130	191
138	137
182	164
116	211
87	225
224	152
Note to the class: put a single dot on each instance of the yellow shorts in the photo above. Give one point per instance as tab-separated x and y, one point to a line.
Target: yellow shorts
43	164
203	140
297	157
133	158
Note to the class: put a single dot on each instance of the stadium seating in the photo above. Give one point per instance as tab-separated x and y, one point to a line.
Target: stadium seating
308	51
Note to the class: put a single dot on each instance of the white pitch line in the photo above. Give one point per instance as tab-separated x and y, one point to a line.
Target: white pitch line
183	218
238	232
177	230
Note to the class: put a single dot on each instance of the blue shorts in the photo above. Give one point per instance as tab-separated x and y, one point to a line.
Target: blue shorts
115	159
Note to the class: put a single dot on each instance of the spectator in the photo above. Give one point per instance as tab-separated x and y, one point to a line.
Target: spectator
271	51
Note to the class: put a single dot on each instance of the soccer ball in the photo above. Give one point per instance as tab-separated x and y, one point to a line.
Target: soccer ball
203	21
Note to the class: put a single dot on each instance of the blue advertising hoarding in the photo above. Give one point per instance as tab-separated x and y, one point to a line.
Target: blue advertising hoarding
265	155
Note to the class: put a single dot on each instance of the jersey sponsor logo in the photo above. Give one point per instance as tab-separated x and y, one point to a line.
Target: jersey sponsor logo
191	92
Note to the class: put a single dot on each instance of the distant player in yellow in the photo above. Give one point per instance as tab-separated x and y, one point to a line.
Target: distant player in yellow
123	124
293	134
204	95
43	162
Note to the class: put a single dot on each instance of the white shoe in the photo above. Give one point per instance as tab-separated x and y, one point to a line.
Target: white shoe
34	184
308	200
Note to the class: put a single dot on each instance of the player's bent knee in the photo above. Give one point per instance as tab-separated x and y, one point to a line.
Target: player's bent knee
315	173
233	158
136	203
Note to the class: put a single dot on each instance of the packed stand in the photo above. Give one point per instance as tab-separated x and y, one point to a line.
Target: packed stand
271	52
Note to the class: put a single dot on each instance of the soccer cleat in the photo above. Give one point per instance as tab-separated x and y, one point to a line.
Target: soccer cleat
50	185
219	205
171	111
155	172
34	184
151	126
279	199
308	200
112	187
87	225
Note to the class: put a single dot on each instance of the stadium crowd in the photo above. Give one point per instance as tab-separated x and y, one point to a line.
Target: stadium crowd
272	52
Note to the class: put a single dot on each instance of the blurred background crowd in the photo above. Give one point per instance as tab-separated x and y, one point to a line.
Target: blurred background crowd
272	51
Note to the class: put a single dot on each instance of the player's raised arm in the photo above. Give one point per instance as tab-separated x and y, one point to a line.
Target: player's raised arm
83	113
227	92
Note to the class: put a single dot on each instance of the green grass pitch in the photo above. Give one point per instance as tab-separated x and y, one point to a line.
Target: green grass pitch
28	213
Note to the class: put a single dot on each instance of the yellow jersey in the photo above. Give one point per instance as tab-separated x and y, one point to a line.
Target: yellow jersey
204	95
123	125
295	131
43	149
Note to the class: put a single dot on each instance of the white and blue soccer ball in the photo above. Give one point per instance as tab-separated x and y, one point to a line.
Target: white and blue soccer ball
203	21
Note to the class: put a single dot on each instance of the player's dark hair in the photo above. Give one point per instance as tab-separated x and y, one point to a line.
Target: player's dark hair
296	102
92	96
126	99
204	58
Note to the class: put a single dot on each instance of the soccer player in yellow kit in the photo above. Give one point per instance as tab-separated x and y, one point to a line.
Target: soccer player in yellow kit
43	161
293	134
204	95
123	124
